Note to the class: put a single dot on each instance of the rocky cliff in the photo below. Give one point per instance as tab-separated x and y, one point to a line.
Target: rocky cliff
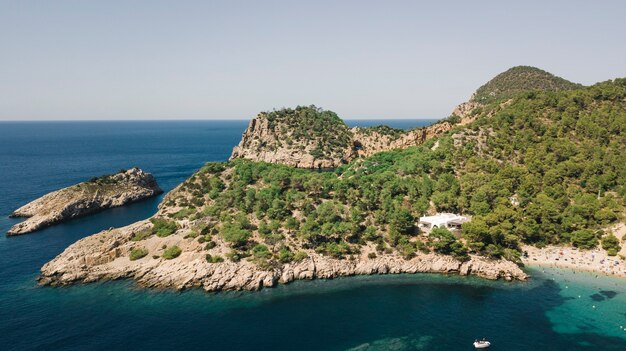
85	198
300	143
105	256
294	143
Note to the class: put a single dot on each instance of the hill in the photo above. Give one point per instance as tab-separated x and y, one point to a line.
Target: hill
310	137
305	137
547	167
520	79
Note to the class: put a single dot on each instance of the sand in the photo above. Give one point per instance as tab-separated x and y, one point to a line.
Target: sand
595	260
566	257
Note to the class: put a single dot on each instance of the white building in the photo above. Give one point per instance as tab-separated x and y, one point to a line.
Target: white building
442	220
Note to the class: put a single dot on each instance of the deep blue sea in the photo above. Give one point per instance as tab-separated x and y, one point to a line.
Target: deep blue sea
556	310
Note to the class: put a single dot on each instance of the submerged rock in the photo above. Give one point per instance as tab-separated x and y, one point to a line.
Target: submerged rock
85	198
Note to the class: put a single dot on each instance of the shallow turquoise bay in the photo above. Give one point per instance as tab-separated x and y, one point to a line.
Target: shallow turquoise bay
553	311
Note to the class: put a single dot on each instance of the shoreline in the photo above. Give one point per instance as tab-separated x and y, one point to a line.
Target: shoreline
593	261
104	256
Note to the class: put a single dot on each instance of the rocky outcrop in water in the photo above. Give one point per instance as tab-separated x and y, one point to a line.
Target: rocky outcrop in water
85	198
105	256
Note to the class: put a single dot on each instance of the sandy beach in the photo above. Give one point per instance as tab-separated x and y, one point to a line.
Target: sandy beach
595	260
567	257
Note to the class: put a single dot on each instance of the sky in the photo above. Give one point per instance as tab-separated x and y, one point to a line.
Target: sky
131	59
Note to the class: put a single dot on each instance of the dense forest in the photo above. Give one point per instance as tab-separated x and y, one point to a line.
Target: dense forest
546	167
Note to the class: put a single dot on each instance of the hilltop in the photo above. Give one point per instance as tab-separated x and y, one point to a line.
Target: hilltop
520	79
305	137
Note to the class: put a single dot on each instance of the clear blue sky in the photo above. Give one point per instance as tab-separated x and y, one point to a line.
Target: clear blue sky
230	59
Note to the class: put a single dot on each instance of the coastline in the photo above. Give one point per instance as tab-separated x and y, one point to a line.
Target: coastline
594	261
104	256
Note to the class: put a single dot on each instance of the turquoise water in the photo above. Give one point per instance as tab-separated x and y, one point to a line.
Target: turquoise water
553	311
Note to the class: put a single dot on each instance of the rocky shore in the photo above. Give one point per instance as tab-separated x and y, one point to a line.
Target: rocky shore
105	256
85	198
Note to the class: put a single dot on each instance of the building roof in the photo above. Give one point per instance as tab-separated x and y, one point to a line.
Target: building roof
442	218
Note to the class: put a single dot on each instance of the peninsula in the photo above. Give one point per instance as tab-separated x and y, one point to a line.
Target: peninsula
532	159
85	198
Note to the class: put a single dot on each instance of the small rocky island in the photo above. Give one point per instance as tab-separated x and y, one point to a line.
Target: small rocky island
85	198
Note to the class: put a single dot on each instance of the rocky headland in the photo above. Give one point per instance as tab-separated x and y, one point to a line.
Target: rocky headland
263	219
187	244
85	198
106	256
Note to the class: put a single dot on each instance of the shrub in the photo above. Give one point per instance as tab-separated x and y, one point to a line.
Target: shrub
192	234
234	234
261	252
210	245
184	213
140	235
172	252
162	227
370	234
422	247
299	256
459	251
137	253
234	256
611	244
284	255
214	258
371	255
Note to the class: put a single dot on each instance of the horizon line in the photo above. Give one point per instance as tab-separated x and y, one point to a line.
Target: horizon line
199	119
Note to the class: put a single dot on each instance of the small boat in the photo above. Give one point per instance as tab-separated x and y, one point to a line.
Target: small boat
481	344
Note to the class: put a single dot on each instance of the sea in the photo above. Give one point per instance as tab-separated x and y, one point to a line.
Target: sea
555	310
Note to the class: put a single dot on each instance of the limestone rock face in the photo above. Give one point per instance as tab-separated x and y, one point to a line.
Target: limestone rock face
465	110
261	142
104	256
85	198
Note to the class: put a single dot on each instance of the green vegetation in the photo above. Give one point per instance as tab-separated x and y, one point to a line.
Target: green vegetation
547	168
520	79
140	235
584	239
394	133
105	179
214	258
611	244
310	125
172	252
162	227
137	253
184	213
299	256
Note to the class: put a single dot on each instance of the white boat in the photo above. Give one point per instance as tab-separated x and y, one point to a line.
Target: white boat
481	344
